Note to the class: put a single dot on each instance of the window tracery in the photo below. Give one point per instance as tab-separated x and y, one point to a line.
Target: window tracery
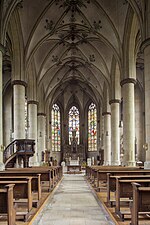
74	120
92	127
55	128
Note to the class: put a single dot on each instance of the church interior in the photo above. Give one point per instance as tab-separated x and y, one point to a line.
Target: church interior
74	106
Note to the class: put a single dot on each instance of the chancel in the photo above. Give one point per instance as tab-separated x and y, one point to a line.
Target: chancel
74	93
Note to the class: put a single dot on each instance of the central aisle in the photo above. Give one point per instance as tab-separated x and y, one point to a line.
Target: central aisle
73	203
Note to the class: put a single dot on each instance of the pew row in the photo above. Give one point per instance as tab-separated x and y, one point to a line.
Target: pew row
141	202
47	180
124	190
28	185
7	209
91	171
111	185
123	194
49	175
22	195
35	186
102	175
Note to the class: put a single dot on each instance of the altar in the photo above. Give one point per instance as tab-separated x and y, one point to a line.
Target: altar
74	162
74	168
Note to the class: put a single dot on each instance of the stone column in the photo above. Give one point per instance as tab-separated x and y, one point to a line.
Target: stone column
2	50
146	50
115	135
7	98
128	121
107	138
41	135
32	129
19	108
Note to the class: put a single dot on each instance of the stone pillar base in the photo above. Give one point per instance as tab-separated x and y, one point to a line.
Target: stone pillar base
34	163
2	166
115	163
107	163
129	163
147	165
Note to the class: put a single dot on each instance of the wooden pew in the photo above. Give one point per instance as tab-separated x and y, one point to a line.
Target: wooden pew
102	175
45	175
141	202
90	169
111	184
21	192
124	190
91	173
50	175
6	204
35	185
53	176
56	172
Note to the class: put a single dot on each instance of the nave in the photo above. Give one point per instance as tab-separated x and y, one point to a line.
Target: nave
73	203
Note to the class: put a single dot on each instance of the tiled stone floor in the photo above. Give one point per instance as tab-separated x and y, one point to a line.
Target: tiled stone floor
73	203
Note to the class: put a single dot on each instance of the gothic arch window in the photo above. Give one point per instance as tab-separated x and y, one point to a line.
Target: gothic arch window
74	120
92	127
55	128
26	118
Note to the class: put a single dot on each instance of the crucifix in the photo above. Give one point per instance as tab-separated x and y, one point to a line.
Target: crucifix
74	140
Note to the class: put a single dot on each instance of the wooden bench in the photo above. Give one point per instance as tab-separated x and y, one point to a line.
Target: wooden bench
6	204
46	179
91	170
35	185
102	175
141	202
124	190
97	175
49	175
57	172
111	185
22	195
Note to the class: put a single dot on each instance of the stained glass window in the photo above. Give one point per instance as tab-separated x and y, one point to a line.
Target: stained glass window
92	128
74	123
55	128
26	118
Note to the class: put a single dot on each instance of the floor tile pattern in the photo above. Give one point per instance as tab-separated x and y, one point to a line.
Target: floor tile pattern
73	203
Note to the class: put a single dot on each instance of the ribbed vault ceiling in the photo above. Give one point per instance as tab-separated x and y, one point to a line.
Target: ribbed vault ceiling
73	41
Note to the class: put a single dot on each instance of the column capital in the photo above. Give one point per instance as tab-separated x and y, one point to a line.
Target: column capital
128	81
106	113
41	114
2	49
114	101
19	82
32	102
144	44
